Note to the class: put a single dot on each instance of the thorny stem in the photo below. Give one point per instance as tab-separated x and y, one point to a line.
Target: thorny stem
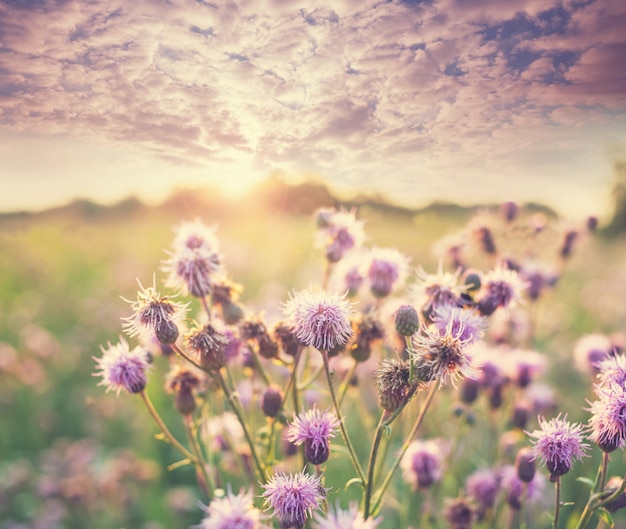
342	427
164	429
418	422
260	468
192	436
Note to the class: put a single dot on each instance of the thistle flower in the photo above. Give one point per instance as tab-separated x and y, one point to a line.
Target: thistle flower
314	428
122	368
459	513
387	270
319	319
432	291
516	490
208	343
612	370
368	330
406	320
194	261
340	232
590	350
345	519
558	443
293	497
608	421
525	366
392	380
154	315
183	381
466	324
233	511
482	486
501	287
422	464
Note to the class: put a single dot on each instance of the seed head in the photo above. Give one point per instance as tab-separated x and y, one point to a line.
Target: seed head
392	380
319	319
122	368
293	497
208	342
314	428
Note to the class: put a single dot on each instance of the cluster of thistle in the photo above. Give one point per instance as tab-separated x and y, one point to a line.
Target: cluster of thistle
263	403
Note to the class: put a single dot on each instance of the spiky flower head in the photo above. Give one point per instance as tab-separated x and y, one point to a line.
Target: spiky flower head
350	518
394	387
314	428
465	323
612	369
154	315
432	291
123	368
340	232
184	381
406	320
440	353
501	287
233	511
208	343
590	350
387	270
483	486
319	319
517	491
293	497
368	330
608	421
422	464
559	444
459	513
194	262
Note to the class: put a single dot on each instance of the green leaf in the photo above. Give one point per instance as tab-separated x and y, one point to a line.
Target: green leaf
586	481
606	516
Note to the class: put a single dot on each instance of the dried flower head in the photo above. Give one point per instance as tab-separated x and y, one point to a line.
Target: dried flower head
154	315
314	429
422	464
233	511
123	368
286	338
608	421
502	287
392	380
184	381
208	343
194	261
368	330
345	519
387	270
319	319
293	497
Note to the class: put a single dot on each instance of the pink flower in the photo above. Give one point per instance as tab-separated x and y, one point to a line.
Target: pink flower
314	429
387	270
121	368
346	519
422	465
233	511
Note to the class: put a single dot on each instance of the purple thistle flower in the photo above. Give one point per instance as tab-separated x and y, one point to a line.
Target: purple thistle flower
154	315
387	269
558	443
293	497
345	519
501	287
340	233
194	260
483	486
590	350
422	464
608	420
466	324
319	319
121	368
233	511
314	429
517	491
434	291
459	513
612	370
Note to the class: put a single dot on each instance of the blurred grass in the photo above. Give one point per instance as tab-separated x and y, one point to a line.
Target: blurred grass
61	277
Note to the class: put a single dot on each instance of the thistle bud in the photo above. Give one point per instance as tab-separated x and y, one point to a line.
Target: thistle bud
525	464
272	401
166	331
406	320
393	384
232	312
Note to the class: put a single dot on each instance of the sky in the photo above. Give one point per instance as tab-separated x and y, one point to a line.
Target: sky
463	101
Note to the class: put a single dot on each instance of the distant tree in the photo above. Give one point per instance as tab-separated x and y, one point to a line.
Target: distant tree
618	221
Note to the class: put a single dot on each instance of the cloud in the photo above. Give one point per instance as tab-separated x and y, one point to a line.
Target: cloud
355	91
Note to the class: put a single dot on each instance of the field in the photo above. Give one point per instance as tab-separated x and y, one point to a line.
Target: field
74	456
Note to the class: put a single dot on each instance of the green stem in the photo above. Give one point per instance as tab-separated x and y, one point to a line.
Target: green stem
345	384
164	429
367	493
591	504
557	502
179	350
192	436
418	422
342	427
260	468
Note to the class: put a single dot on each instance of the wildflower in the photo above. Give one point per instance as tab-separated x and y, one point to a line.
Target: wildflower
422	464
459	513
272	401
222	432
439	353
293	497
466	324
154	315
516	490
350	273
122	368
608	421
183	382
436	290
590	350
387	269
406	320
286	338
482	486
194	261
345	519
525	464
367	331
525	365
319	319
612	369
233	511
254	331
501	287
558	443
314	429
394	387
208	342
509	210
340	232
